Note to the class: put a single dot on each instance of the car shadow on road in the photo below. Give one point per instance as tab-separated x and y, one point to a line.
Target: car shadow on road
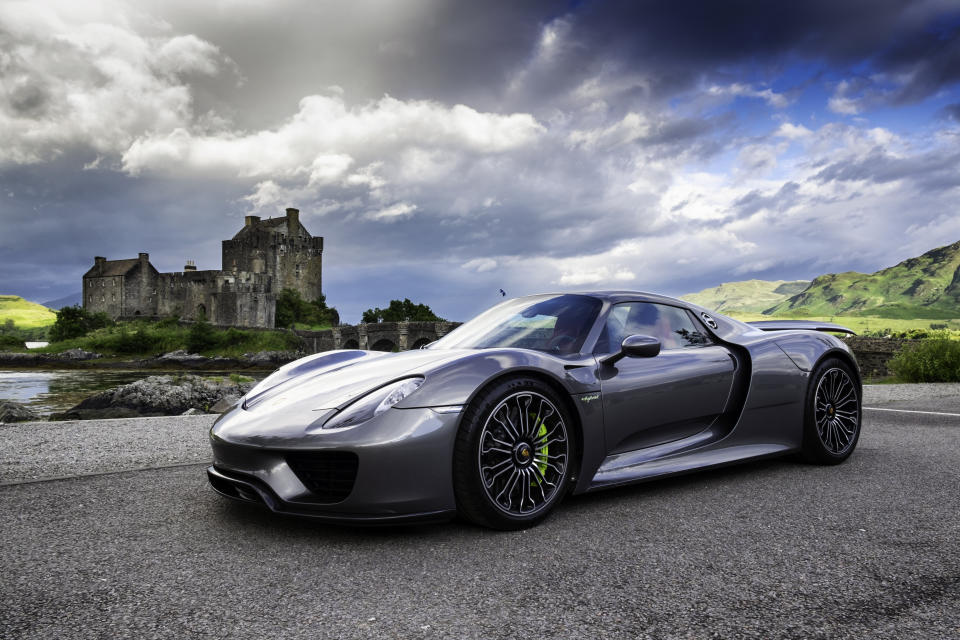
747	473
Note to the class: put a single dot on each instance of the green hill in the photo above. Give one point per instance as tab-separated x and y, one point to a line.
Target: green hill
747	295
26	314
927	286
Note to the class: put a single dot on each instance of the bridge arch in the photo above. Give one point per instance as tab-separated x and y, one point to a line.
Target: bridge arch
421	343
351	344
383	344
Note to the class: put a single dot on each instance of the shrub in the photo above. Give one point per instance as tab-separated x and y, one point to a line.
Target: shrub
932	359
76	322
140	341
201	337
8	341
292	309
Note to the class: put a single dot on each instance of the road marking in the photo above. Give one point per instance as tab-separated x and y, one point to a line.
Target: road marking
928	413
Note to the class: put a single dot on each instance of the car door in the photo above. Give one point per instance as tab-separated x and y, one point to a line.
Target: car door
676	394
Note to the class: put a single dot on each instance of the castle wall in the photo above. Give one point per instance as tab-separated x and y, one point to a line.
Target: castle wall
140	292
298	265
104	295
229	299
187	294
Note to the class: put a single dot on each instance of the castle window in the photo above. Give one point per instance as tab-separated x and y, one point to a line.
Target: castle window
101	284
298	270
113	283
101	298
90	299
113	297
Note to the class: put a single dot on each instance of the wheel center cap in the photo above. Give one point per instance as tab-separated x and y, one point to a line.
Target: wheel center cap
831	410
523	453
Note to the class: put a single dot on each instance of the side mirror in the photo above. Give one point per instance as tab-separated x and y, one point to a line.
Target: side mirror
640	346
636	346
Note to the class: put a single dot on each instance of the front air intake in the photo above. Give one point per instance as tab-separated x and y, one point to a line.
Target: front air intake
329	475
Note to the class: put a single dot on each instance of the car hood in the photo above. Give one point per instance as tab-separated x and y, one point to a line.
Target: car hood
333	379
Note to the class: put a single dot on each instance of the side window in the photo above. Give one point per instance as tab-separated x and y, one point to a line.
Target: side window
673	326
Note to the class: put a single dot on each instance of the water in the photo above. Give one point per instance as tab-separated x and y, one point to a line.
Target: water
53	391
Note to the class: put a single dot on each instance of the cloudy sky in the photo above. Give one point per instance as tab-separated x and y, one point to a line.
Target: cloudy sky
446	150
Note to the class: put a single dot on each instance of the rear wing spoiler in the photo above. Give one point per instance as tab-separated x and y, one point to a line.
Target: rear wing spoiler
807	325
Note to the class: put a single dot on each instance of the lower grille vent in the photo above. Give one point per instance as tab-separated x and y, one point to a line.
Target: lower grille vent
329	475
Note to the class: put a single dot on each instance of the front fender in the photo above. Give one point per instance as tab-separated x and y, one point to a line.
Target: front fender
457	382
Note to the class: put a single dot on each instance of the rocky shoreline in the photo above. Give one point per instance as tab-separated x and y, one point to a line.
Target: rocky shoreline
80	359
170	395
164	395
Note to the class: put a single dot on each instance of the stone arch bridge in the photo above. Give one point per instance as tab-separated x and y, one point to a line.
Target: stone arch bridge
381	336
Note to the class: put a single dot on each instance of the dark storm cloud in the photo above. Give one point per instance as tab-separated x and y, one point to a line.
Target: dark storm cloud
754	201
677	44
422	49
492	55
934	171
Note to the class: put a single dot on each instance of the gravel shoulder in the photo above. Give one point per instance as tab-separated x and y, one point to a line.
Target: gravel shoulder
37	450
881	394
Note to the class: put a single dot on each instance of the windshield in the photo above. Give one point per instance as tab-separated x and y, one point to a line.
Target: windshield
555	324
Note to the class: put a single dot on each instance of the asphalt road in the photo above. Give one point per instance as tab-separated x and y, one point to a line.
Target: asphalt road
868	549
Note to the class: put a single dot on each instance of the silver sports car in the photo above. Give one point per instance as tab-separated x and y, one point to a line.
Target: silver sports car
536	398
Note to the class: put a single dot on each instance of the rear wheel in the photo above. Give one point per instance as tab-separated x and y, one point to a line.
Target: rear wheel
833	413
512	459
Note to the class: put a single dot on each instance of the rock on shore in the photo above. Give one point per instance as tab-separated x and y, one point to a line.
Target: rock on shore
11	411
159	396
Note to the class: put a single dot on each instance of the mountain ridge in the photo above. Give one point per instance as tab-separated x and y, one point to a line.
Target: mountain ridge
925	286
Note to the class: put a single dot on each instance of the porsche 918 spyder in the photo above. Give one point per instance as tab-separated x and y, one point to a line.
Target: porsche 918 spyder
534	399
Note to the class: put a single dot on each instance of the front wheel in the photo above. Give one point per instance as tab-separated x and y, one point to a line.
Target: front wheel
833	413
513	455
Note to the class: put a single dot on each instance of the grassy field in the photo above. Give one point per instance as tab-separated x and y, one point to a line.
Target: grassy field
144	338
864	324
25	314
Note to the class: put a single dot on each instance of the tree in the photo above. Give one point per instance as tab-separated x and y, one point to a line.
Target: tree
201	336
76	322
292	308
400	311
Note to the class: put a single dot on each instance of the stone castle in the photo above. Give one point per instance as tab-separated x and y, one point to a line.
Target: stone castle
263	258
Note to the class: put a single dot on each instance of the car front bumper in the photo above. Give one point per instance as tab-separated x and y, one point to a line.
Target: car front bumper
401	470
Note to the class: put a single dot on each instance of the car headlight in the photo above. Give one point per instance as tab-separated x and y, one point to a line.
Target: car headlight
374	403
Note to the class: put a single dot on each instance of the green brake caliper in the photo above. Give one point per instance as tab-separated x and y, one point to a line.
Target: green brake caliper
541	433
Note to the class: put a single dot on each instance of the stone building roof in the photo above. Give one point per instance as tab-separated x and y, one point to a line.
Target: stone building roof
111	268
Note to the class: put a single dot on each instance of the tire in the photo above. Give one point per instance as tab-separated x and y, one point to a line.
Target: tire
833	413
513	456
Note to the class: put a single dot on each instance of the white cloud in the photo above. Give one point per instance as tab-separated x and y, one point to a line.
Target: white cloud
585	274
326	125
392	213
840	102
83	77
480	265
792	131
774	99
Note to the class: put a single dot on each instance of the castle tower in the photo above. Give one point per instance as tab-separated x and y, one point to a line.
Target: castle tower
280	248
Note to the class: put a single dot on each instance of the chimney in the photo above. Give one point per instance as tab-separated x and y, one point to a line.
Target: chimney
144	257
190	266
293	219
99	260
250	220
